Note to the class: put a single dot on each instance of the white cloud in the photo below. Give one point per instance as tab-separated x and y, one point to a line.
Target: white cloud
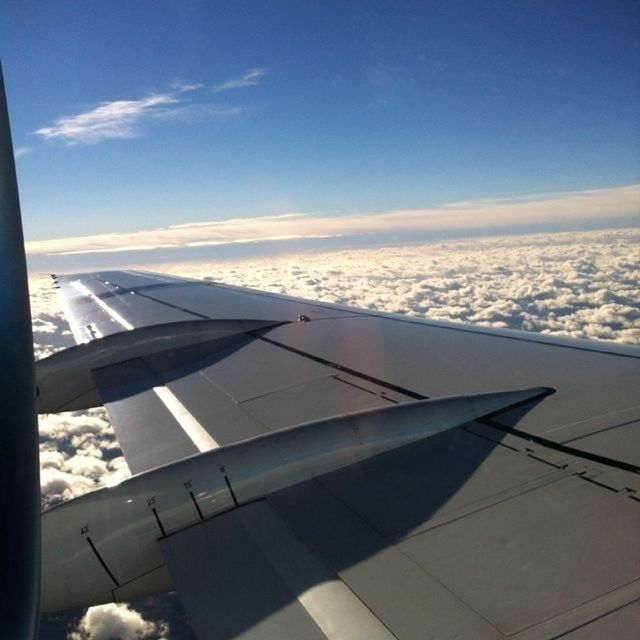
182	87
558	208
111	621
86	466
49	458
119	119
249	78
118	471
115	119
78	453
57	485
19	152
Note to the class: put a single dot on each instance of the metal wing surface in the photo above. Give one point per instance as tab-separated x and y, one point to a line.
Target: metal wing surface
522	525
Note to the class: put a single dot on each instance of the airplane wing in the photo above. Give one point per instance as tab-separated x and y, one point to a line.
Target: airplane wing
522	523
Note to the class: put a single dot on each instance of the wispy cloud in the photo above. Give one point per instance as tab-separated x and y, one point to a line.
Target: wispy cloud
123	118
109	120
117	119
182	87
249	78
562	208
19	152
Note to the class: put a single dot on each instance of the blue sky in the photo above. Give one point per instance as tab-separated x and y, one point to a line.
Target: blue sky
242	110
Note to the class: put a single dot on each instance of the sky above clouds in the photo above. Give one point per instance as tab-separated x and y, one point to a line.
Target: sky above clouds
138	116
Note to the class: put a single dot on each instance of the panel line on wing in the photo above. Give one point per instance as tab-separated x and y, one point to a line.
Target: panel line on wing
196	432
78	286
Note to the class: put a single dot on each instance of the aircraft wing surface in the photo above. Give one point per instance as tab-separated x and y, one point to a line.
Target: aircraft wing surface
522	525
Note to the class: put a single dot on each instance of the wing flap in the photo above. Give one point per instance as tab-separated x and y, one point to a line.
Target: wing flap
147	431
547	538
244	575
533	556
169	405
407	599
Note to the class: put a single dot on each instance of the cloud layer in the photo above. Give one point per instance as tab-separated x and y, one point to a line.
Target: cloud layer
583	285
561	208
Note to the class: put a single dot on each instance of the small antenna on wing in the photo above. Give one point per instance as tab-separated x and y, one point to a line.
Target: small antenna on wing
19	473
